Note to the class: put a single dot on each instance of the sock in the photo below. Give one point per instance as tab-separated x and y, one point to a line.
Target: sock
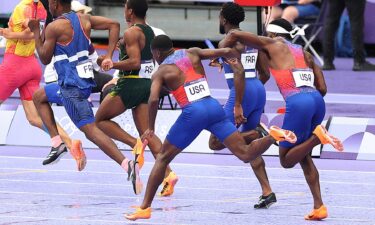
125	164
56	141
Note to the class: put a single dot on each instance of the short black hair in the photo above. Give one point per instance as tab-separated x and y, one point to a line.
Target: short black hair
284	24
139	7
162	43
233	13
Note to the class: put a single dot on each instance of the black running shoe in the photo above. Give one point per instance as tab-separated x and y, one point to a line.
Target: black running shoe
133	175
265	201
55	155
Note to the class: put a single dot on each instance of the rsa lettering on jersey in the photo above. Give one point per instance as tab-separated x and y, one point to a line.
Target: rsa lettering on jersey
85	69
147	67
303	77
197	89
249	59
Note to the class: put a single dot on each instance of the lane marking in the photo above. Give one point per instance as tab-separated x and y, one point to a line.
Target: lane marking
200	165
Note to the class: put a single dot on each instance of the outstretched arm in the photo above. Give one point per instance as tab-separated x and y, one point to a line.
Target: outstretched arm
247	38
214	53
153	101
103	23
262	67
25	34
319	80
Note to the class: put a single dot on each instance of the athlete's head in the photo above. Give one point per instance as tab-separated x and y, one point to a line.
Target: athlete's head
161	47
135	8
58	7
231	14
279	28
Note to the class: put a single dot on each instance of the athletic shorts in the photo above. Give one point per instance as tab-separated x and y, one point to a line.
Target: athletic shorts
253	102
53	93
77	106
206	114
133	91
19	72
304	111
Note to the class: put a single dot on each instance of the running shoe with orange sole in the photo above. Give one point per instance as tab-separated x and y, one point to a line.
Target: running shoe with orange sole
168	185
282	135
317	214
139	150
78	154
264	131
134	177
139	214
326	138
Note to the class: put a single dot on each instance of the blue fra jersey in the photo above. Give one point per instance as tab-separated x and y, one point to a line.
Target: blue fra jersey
72	63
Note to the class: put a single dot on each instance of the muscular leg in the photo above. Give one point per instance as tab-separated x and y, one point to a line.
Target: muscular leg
103	117
45	111
290	157
259	167
237	145
140	115
94	134
167	154
249	136
312	178
35	120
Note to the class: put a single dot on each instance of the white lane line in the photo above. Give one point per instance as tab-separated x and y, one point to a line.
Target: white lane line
82	220
177	187
99	207
199	165
183	212
294	180
159	199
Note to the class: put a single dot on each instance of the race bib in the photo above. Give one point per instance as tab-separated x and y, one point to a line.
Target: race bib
85	69
146	69
249	60
303	77
197	89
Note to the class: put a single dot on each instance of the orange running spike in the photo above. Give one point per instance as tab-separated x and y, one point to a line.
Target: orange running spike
282	135
168	184
139	214
325	138
317	214
78	154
